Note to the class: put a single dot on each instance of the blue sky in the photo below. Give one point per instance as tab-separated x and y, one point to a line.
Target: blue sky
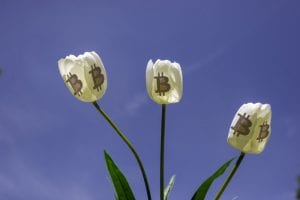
231	52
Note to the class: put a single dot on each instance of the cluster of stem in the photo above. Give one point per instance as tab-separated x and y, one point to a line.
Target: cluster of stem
162	155
130	146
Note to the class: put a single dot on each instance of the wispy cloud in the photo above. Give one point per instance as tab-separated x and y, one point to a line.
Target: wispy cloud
137	101
285	195
210	58
22	181
207	60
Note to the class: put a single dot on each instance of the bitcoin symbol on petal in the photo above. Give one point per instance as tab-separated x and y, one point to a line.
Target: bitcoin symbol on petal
162	84
242	125
98	77
75	83
264	131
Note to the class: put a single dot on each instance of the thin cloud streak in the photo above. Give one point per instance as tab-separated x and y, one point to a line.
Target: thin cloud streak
137	102
22	181
207	60
210	58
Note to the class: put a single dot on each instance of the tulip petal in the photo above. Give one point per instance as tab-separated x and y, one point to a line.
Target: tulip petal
149	77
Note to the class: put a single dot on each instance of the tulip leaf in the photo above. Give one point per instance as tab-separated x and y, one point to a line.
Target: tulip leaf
204	187
169	187
122	188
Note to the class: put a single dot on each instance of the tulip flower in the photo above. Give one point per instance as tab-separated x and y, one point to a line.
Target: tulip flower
84	75
250	129
164	81
164	86
249	132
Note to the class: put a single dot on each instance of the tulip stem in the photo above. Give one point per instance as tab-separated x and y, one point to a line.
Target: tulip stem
162	154
128	143
228	179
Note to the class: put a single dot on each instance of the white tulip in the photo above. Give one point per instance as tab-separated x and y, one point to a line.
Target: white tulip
164	81
250	129
84	75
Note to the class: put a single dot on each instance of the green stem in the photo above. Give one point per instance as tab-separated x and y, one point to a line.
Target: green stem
162	154
128	143
228	179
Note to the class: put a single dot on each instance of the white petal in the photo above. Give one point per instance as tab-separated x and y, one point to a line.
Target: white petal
149	77
92	60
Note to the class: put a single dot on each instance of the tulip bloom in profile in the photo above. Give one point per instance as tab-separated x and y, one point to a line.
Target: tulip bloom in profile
250	129
164	86
249	132
84	75
164	81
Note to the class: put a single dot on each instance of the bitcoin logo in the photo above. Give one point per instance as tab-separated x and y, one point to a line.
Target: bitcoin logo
98	77
242	125
264	131
75	83
162	84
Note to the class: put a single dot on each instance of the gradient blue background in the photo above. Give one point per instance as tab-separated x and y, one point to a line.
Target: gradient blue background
231	52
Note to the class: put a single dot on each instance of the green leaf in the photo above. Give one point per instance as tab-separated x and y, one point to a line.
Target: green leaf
169	187
122	188
203	189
